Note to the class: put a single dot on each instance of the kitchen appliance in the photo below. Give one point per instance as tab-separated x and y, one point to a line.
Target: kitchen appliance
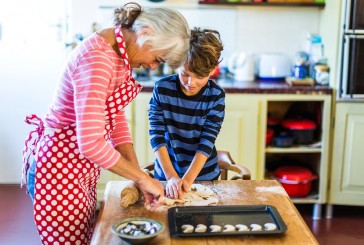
242	66
296	180
274	66
351	69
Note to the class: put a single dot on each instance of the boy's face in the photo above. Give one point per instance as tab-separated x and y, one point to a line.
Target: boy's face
190	83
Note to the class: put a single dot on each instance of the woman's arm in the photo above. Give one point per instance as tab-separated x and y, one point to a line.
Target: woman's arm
128	167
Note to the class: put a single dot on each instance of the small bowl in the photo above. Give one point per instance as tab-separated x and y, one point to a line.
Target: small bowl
140	235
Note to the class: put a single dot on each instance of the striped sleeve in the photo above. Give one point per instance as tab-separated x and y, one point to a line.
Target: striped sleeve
121	133
90	80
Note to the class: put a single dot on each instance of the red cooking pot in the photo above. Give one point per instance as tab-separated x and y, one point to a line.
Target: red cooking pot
269	136
303	130
296	180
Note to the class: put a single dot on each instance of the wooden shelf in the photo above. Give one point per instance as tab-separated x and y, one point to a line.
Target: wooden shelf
295	149
266	4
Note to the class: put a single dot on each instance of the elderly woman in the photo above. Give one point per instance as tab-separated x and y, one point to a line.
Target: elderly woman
86	128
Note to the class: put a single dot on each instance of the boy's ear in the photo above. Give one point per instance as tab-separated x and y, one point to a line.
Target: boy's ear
213	71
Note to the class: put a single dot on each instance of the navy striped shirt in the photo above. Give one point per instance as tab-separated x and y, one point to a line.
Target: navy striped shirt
186	125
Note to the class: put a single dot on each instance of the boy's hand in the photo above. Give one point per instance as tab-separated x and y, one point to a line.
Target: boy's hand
174	188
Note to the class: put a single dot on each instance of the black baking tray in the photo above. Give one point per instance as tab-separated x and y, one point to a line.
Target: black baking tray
223	215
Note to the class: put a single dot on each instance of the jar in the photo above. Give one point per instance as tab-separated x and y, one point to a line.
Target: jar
322	74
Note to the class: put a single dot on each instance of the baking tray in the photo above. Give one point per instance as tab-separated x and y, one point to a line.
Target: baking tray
223	215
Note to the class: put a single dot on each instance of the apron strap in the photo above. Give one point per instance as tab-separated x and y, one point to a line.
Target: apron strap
30	144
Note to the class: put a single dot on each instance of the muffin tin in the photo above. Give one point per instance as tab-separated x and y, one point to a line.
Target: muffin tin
233	215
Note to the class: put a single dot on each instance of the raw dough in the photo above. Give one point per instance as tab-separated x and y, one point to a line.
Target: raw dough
241	227
229	228
201	190
201	228
187	228
256	227
215	228
270	226
129	195
199	195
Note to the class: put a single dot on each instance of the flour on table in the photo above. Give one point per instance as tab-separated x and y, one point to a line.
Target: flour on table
272	189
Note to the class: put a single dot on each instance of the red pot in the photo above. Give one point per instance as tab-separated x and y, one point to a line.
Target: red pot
303	130
296	180
269	136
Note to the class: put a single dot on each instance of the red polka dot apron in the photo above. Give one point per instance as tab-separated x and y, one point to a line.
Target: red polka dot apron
65	181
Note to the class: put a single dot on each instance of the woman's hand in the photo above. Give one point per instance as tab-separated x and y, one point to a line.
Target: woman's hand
152	190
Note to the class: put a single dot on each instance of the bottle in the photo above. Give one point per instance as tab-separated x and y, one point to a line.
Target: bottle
300	67
316	52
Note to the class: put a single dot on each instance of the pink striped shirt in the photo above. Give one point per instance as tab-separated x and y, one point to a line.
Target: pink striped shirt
92	74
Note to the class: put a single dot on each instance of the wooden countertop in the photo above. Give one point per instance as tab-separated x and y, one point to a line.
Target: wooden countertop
229	192
256	87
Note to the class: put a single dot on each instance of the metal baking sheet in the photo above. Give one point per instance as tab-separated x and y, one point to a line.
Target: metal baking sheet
223	215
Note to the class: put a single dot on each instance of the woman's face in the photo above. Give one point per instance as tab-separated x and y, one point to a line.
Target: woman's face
145	57
190	83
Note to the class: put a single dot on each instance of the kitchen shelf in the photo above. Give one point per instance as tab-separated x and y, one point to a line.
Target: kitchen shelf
313	156
267	4
294	149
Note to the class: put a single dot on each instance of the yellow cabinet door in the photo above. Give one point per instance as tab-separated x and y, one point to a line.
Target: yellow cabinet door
141	138
239	132
347	182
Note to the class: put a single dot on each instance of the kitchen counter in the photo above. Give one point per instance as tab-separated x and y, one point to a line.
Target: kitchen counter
254	87
229	192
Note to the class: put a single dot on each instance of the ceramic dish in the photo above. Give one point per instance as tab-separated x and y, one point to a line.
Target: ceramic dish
137	230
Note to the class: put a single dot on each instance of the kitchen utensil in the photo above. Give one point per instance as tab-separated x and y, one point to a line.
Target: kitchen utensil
222	215
296	180
283	140
273	66
303	130
137	230
242	66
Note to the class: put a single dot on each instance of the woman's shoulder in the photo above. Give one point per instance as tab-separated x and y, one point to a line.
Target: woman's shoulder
95	44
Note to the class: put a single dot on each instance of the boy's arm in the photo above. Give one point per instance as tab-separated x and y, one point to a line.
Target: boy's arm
210	132
165	162
195	168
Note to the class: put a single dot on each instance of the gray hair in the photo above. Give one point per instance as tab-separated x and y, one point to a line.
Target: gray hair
164	29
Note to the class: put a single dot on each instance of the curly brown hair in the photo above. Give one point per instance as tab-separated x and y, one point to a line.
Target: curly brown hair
205	51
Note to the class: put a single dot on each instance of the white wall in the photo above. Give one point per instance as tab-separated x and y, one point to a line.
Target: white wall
245	28
31	55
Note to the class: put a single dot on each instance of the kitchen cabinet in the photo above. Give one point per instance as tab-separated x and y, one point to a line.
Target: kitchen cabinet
140	127
314	156
347	182
239	132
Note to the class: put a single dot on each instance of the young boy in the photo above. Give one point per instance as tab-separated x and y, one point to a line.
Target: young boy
185	115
